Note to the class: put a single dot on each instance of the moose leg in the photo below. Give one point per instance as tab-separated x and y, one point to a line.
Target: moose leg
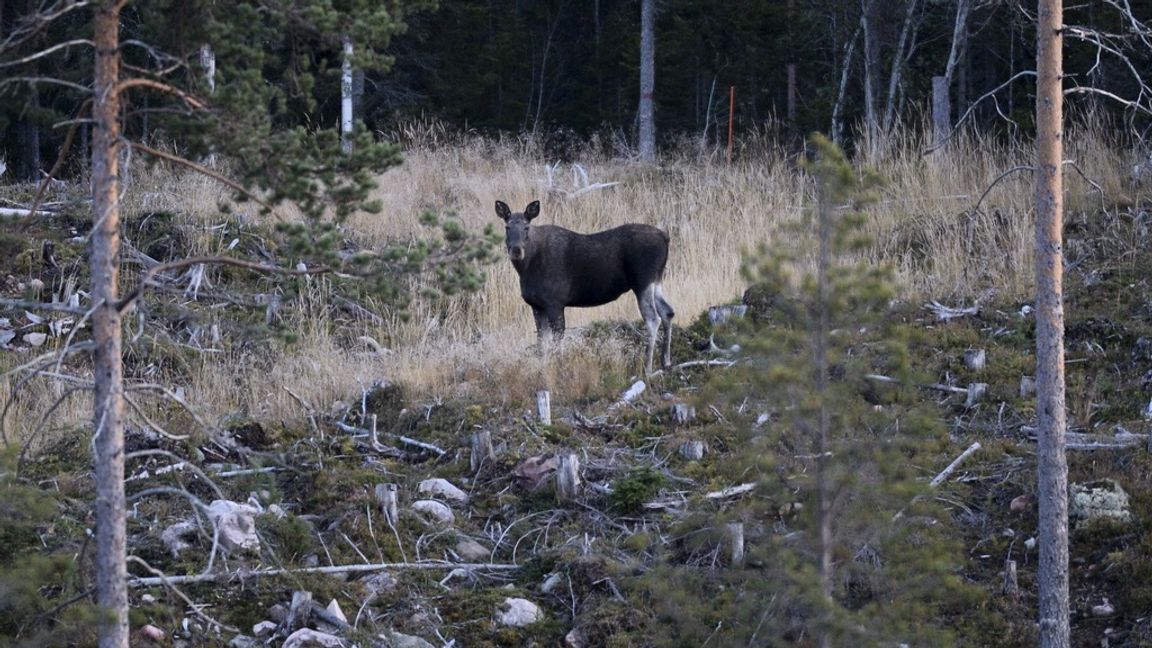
646	299
556	322
542	328
666	314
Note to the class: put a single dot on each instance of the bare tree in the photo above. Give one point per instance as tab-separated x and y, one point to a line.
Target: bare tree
647	79
108	368
1052	466
941	85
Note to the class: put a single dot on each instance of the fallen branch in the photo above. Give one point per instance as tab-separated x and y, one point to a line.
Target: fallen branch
946	313
936	386
223	577
352	429
944	474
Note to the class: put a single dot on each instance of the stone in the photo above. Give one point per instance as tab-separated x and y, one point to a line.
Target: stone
1099	499
471	551
518	612
433	511
442	488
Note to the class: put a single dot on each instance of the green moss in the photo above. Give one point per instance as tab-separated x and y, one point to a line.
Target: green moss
639	486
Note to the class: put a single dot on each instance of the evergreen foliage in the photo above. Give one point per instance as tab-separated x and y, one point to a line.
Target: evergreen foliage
894	566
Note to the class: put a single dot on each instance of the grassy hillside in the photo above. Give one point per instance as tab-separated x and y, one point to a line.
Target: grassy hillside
270	387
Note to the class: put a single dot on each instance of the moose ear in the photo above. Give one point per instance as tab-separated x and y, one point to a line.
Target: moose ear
502	211
532	210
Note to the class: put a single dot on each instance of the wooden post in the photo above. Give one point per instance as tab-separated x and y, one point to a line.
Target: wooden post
731	119
544	407
482	451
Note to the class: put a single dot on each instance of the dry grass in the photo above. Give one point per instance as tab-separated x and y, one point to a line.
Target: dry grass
479	345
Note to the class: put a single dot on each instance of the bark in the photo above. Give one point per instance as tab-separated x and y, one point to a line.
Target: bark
647	80
1052	466
108	405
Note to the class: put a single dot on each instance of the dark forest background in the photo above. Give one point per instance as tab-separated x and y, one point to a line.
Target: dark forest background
569	69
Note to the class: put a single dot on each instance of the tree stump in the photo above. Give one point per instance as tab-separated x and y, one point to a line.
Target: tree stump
975	359
482	451
1027	386
568	478
386	495
693	450
544	407
736	541
683	413
975	391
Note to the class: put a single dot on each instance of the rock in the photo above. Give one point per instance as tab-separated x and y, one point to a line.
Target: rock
237	524
1104	609
534	470
518	612
718	315
264	628
334	609
379	582
1099	499
239	641
35	339
471	551
278	613
309	637
1021	503
433	511
151	633
550	584
575	639
634	391
174	536
442	488
393	639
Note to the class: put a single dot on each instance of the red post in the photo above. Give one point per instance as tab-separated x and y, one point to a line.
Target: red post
731	119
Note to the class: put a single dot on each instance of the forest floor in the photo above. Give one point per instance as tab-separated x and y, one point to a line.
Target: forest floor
317	476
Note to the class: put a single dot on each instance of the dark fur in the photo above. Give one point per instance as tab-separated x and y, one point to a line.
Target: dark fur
559	268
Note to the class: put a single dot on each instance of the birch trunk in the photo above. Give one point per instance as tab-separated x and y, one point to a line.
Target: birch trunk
1052	465
108	405
346	98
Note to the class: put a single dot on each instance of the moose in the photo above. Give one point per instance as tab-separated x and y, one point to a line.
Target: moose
559	268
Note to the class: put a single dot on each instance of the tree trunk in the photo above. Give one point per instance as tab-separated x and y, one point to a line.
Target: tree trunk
1052	465
647	80
897	71
108	405
346	98
941	110
959	44
871	79
837	108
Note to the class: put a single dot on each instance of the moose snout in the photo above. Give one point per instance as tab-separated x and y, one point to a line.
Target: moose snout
516	252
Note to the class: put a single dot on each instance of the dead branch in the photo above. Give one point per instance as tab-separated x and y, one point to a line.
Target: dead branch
224	577
944	474
149	277
936	386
